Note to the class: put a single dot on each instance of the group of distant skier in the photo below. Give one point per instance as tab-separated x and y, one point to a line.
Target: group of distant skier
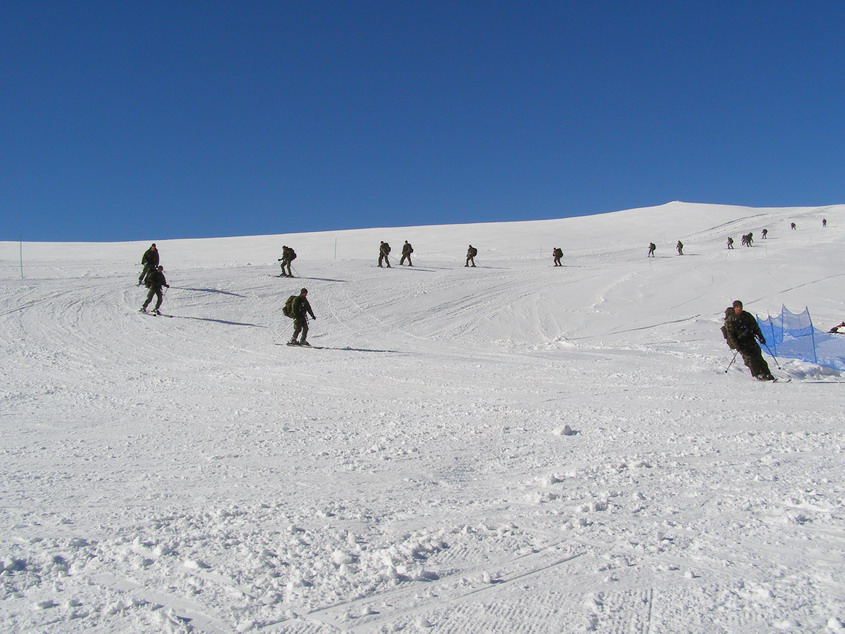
740	330
408	249
747	240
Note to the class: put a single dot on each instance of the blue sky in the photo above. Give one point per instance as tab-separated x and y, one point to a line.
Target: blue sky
154	120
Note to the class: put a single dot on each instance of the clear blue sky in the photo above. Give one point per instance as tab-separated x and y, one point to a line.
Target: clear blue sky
127	120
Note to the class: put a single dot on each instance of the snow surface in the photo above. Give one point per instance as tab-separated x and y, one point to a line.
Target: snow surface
509	448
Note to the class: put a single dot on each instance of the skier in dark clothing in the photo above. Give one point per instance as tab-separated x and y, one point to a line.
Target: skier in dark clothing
301	310
839	329
764	233
651	248
793	226
155	281
384	254
730	242
680	247
557	254
471	253
742	332
149	261
407	250
288	256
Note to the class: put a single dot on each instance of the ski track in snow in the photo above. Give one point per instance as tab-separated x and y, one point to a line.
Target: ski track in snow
509	448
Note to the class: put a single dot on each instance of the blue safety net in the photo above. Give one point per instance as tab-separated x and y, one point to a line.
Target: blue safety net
792	336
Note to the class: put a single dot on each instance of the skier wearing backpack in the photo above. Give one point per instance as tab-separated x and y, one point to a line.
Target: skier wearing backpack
557	254
742	333
298	308
651	248
407	250
680	247
149	261
471	253
288	256
384	253
155	281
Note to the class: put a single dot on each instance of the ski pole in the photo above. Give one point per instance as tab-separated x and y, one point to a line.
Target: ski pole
736	352
773	356
285	330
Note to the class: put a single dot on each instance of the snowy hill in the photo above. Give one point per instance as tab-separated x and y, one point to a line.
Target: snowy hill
512	447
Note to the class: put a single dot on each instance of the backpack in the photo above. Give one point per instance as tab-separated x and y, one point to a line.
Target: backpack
291	254
725	335
287	309
473	252
724	328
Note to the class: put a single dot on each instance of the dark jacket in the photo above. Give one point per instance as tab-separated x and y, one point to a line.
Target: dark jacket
301	307
742	330
156	280
407	249
150	258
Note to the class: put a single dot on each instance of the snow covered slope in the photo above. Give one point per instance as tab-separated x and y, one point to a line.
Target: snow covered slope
511	448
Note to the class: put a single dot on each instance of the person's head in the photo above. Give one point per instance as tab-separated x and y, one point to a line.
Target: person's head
737	306
161	269
153	246
303	292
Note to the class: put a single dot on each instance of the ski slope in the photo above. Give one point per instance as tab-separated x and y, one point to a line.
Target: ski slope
508	448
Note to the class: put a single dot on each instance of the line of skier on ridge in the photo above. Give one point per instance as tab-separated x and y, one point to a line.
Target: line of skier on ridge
740	330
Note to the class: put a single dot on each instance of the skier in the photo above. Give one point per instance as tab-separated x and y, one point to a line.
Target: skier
793	226
839	329
824	222
288	256
651	248
680	247
764	233
407	250
301	310
557	254
743	333
730	242
471	253
149	261
384	254
155	281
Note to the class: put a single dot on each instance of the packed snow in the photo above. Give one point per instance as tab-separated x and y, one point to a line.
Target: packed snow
515	447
